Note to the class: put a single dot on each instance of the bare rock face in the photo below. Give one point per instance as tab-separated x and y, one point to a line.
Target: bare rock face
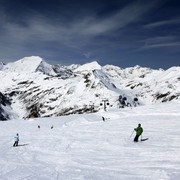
4	103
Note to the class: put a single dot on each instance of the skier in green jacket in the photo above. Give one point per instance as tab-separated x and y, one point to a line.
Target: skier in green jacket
139	131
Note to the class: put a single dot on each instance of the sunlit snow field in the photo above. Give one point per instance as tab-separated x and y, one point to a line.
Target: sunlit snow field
83	147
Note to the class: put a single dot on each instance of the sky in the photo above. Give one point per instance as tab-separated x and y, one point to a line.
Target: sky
124	33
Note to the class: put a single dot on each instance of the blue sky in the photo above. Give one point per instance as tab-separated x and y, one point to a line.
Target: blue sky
118	32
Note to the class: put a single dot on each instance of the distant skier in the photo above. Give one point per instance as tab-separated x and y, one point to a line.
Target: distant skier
139	131
16	138
52	127
39	127
103	118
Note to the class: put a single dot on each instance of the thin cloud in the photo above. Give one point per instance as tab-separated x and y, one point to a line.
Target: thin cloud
150	46
130	14
159	42
87	55
163	23
80	30
159	39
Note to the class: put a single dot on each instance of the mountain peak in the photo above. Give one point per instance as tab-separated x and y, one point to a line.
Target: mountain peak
88	67
27	64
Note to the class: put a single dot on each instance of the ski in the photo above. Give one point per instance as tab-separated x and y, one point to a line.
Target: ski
145	139
21	145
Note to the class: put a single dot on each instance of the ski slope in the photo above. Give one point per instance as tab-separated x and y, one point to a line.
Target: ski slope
83	147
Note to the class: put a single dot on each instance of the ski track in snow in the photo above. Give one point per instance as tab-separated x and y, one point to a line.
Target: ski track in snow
83	147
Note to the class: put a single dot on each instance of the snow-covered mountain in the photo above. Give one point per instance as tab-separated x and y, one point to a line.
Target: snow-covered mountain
151	86
38	89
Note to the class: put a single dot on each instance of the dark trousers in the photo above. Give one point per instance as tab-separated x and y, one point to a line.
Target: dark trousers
136	138
15	143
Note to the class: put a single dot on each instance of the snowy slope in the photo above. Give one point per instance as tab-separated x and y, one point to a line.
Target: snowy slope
84	147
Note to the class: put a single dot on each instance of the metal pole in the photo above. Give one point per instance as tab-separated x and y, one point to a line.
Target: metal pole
131	134
104	101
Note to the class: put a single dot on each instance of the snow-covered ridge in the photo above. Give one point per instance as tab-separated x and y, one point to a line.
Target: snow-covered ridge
128	73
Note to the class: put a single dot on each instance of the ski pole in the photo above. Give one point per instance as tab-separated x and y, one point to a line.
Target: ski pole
131	134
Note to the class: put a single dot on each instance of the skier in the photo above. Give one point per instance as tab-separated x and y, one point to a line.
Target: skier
103	118
16	138
39	127
139	131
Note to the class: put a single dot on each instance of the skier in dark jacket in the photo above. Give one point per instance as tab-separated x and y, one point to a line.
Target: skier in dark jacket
139	131
16	139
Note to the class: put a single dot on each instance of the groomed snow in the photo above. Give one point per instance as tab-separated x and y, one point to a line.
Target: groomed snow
83	147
